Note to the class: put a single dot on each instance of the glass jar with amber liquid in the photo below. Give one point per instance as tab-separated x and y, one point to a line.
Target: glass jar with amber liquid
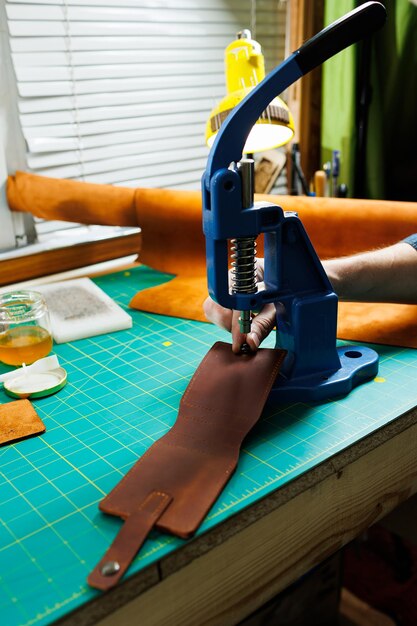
25	332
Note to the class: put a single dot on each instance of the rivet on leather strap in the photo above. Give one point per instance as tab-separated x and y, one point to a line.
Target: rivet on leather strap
128	541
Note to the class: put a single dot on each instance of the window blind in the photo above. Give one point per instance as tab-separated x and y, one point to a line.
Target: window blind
118	91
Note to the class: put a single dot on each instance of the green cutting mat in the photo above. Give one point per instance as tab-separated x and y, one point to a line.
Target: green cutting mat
123	393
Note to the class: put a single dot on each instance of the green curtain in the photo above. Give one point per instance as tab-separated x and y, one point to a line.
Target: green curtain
338	101
391	167
391	157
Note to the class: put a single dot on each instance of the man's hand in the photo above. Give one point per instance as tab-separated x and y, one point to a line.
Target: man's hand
262	323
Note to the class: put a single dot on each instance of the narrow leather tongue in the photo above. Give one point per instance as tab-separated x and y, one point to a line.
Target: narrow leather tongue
128	542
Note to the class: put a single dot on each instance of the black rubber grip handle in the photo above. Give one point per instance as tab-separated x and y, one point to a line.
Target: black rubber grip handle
349	29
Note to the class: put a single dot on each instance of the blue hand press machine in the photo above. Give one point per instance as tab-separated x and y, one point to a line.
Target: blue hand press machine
306	319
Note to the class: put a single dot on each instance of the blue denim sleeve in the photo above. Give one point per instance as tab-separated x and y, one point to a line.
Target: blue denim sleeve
412	240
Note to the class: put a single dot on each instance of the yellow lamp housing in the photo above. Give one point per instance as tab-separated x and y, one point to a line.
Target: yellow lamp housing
244	69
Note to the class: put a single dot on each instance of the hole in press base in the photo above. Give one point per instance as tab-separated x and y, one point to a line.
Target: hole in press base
353	354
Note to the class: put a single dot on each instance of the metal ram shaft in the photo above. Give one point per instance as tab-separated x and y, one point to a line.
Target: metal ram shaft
244	249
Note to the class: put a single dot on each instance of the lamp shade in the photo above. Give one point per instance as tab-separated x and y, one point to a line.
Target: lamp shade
244	69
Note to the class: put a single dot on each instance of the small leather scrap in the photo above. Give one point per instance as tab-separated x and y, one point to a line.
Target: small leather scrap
18	420
175	483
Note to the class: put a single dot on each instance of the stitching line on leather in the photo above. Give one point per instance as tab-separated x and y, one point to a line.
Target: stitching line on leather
149	497
197	374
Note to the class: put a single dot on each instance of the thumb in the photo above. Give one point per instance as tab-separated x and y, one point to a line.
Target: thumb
262	324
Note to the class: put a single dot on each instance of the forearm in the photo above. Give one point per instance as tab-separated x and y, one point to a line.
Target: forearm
386	275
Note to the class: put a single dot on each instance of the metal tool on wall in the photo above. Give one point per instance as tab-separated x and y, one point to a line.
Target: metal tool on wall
315	368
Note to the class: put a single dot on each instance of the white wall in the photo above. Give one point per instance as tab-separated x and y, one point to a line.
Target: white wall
14	228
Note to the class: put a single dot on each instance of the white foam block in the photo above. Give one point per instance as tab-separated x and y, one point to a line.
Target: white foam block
79	309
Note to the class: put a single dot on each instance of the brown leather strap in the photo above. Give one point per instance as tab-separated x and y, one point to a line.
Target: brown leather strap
196	458
128	542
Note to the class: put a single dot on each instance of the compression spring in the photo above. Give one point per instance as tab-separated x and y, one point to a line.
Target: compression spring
244	265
